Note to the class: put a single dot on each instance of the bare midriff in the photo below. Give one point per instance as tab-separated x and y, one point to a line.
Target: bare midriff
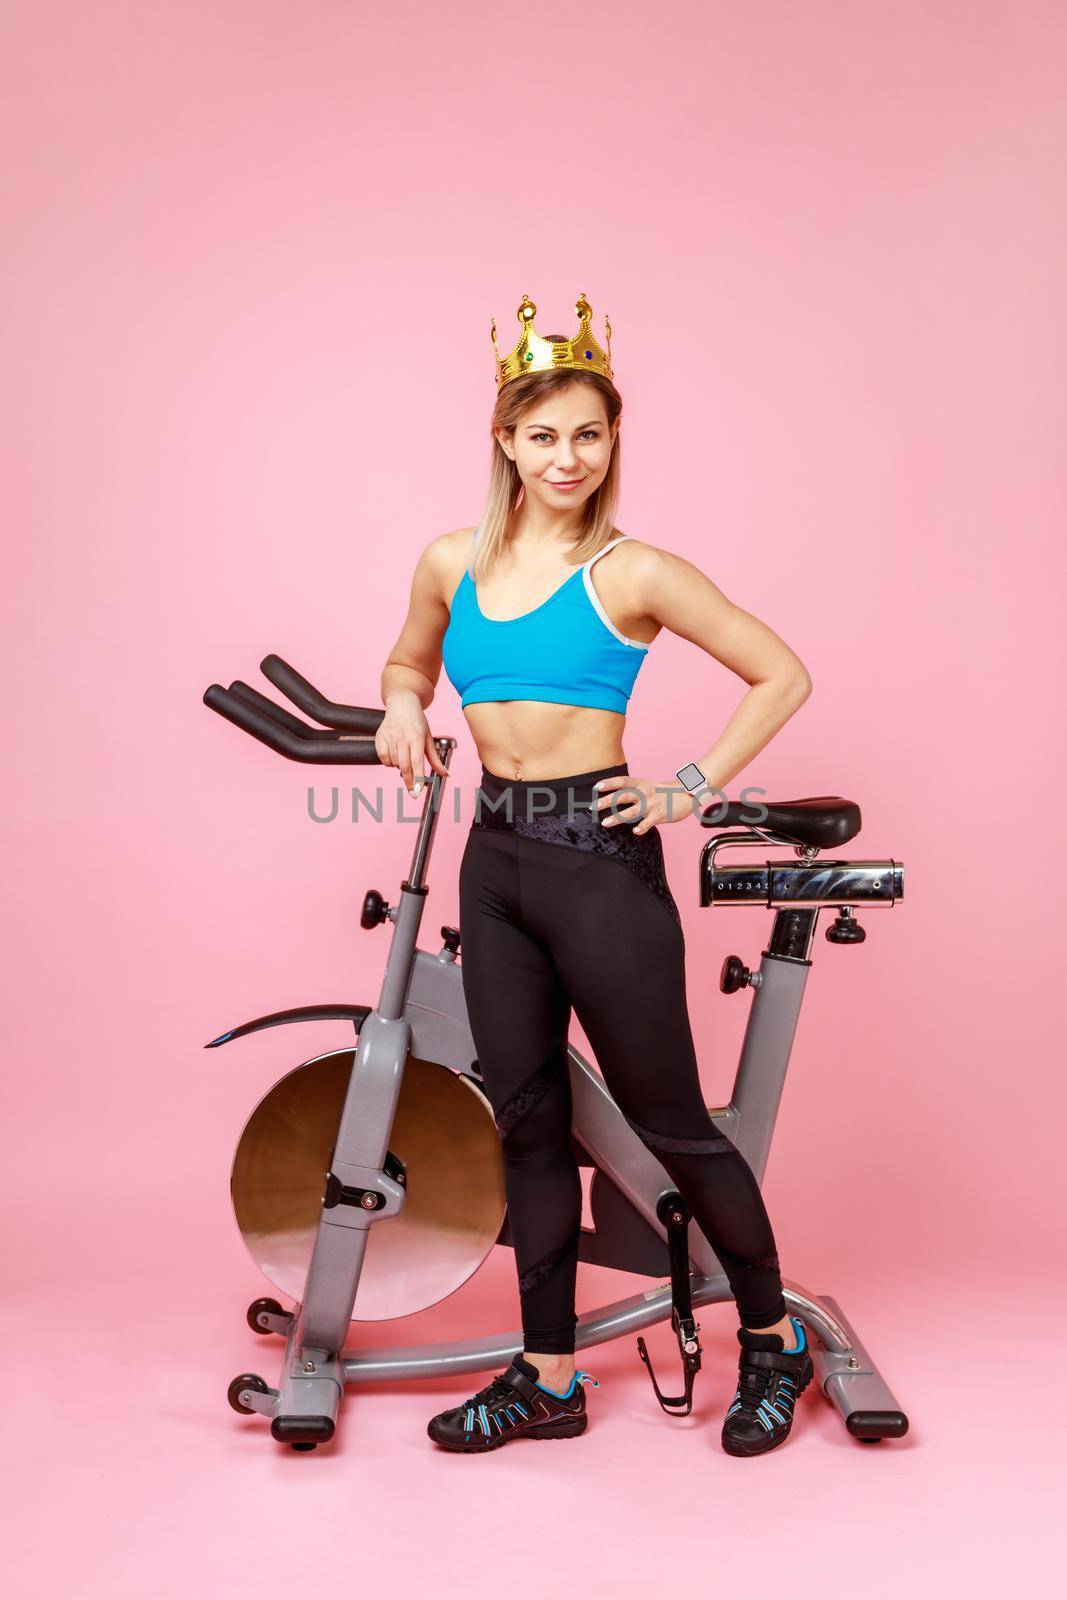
529	740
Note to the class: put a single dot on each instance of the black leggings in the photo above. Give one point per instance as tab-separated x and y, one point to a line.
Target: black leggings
558	911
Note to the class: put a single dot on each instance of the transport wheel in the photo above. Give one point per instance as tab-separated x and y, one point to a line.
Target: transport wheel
247	1380
270	1306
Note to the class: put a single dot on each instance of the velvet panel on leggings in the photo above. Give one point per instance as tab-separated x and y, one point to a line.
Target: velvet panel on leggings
558	912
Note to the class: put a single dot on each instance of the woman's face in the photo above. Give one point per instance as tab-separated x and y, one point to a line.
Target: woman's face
562	446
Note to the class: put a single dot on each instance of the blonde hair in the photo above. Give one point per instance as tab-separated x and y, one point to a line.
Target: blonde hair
505	486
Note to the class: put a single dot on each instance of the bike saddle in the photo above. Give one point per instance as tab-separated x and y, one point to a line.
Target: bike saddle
822	822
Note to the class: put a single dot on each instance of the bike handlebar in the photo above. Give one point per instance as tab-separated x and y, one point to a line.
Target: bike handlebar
353	719
346	739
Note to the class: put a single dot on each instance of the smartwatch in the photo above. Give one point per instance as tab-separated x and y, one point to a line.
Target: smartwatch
691	776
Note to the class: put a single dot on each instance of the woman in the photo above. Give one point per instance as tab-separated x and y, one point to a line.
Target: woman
563	897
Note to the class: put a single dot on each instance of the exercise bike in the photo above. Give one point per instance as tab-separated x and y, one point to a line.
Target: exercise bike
368	1183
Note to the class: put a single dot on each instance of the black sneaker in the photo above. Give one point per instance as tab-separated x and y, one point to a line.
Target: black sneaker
769	1382
513	1406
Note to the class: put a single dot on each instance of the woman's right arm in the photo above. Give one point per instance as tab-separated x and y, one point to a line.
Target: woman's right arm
409	677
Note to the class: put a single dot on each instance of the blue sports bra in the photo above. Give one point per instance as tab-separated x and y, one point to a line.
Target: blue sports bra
566	650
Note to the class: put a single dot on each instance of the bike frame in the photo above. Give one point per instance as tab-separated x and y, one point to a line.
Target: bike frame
421	1011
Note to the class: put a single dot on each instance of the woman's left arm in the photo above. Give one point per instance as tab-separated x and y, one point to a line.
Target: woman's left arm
676	594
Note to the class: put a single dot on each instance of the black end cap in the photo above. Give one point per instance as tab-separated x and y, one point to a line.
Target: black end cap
868	1425
302	1430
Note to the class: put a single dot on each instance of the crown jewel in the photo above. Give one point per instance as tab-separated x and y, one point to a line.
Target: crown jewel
534	354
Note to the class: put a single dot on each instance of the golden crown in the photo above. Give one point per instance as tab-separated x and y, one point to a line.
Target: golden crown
534	354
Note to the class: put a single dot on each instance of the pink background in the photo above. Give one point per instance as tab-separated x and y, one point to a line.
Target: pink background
252	251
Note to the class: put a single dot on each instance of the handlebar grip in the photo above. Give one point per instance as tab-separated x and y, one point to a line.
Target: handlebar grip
317	746
285	719
353	719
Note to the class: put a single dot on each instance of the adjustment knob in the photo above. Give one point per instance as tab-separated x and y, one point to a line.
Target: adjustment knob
375	909
451	938
845	929
734	975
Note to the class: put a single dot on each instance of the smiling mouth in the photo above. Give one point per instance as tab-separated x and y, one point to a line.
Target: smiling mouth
565	483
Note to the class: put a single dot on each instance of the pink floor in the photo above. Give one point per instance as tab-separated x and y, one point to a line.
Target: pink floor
128	1475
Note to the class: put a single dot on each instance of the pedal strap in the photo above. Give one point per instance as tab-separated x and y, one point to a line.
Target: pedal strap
674	1212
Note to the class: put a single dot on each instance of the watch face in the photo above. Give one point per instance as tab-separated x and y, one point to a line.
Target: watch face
692	777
